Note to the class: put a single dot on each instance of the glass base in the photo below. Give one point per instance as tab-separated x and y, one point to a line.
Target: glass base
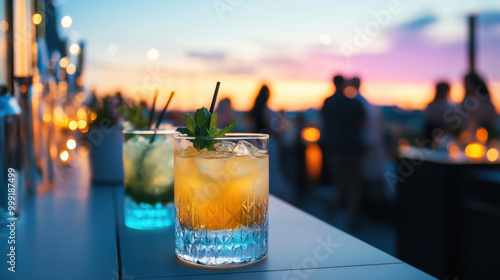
147	216
221	248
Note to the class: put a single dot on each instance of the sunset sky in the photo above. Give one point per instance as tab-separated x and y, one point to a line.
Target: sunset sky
398	48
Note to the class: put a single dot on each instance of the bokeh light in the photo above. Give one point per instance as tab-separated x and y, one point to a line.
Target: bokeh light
492	154
74	49
64	155
71	144
73	125
82	124
153	54
310	134
71	69
474	150
482	135
4	26
37	19
66	21
64	62
112	49
325	39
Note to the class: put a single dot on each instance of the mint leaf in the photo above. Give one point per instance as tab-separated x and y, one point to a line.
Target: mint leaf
202	117
228	128
190	122
213	121
184	130
204	124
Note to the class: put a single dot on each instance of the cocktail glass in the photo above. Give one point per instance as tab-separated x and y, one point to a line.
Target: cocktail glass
221	200
149	178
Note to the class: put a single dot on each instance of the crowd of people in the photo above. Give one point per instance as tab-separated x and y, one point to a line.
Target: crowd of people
352	138
476	110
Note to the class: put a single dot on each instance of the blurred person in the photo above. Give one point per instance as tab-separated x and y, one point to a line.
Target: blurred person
264	120
343	123
260	112
476	108
374	161
434	114
225	113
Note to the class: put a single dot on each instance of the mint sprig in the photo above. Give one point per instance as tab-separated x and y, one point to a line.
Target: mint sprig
204	124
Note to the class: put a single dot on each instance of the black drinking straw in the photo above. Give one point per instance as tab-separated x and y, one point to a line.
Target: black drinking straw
161	116
152	112
214	98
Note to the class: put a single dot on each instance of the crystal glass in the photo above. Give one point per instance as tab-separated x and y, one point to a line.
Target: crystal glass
221	200
149	178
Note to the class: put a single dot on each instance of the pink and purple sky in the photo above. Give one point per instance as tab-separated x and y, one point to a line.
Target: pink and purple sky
294	46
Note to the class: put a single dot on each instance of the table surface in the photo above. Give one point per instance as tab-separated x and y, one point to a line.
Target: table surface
78	233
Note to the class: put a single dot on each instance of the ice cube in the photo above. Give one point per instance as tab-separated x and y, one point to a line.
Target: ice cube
158	165
132	155
244	148
211	167
224	146
190	151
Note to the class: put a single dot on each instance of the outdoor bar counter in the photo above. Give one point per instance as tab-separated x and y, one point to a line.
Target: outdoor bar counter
76	231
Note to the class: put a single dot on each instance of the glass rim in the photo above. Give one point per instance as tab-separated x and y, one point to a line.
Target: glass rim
150	131
229	136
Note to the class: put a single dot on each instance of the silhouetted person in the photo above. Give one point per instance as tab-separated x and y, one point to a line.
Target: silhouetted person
225	113
374	160
343	122
260	112
266	121
479	111
434	114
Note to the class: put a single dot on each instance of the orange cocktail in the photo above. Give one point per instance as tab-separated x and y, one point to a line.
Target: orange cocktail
222	195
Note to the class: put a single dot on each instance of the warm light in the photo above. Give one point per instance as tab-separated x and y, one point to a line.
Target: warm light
314	159
53	151
47	117
4	26
73	125
80	98
74	49
37	19
403	145
71	144
464	137
153	54
66	21
475	150
454	151
325	39
82	124
81	114
310	134
70	110
350	92
71	69
64	155
482	135
23	89
64	62
492	154
85	129
93	116
112	49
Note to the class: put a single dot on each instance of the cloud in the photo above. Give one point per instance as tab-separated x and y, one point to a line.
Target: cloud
420	22
489	18
214	56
